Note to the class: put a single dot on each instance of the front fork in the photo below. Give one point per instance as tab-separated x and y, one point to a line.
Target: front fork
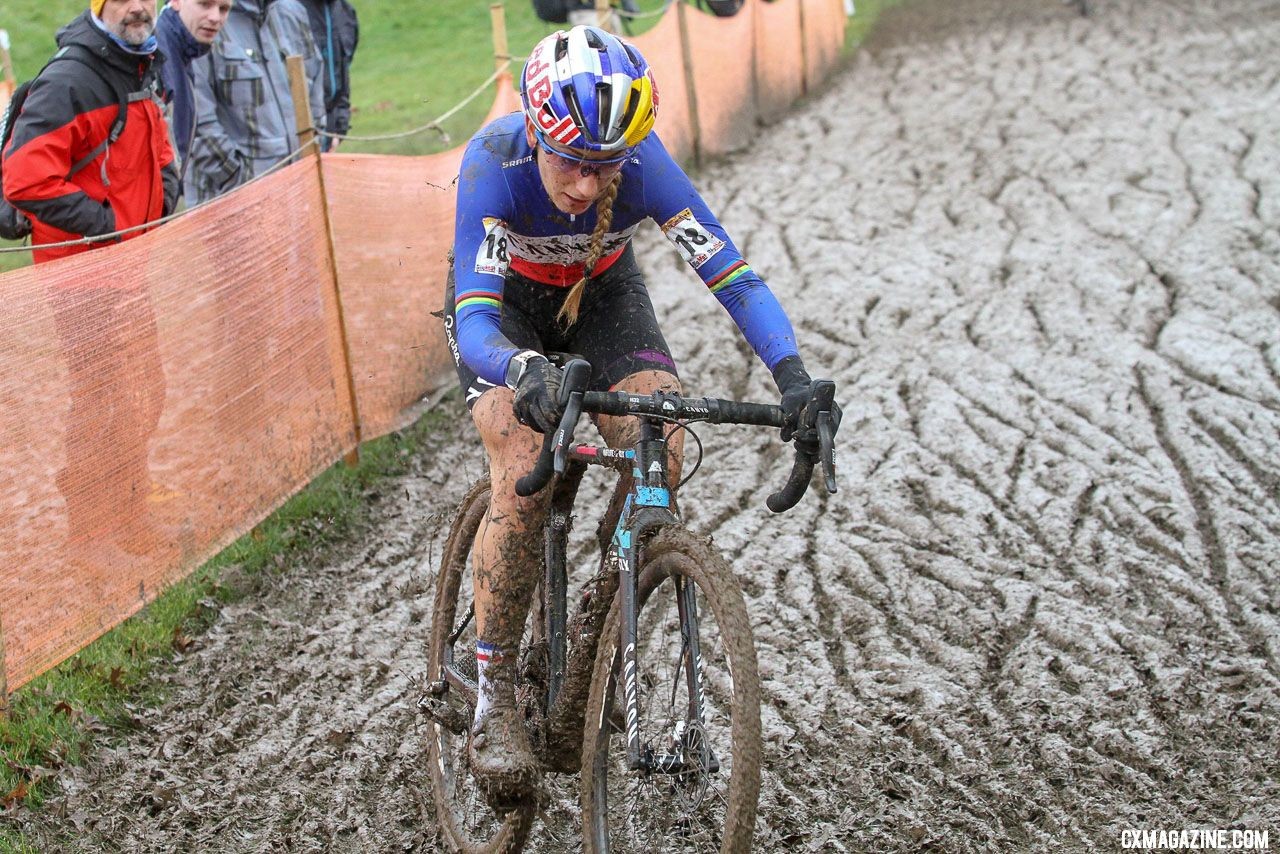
647	509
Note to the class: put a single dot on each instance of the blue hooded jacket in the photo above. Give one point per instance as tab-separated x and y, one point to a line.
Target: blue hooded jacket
180	49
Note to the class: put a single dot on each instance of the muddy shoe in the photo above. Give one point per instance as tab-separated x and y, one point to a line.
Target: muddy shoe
502	760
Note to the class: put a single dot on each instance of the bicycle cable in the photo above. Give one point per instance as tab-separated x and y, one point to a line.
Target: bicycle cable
686	428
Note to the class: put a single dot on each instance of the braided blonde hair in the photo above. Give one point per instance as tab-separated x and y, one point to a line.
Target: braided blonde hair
604	218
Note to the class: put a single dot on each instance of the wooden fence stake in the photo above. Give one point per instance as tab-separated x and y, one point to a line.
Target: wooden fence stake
690	84
501	52
302	115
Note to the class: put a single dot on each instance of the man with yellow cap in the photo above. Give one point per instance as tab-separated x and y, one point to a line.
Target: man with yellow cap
90	156
67	165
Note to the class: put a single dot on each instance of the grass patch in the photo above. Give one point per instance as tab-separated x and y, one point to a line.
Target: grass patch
860	25
56	717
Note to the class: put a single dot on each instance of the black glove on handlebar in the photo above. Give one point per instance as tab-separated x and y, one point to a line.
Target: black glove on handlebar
793	381
536	404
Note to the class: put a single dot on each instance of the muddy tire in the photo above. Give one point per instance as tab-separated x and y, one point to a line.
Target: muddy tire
709	811
466	821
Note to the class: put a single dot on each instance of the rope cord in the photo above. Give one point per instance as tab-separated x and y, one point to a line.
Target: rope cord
636	16
435	124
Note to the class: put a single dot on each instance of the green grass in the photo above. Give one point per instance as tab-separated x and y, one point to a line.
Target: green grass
861	24
56	717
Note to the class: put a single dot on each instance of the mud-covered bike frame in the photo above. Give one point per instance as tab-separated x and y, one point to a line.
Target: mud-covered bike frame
645	508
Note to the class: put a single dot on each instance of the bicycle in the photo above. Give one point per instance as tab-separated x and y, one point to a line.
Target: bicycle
678	754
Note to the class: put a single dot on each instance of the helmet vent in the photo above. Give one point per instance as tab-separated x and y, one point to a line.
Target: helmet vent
575	111
604	103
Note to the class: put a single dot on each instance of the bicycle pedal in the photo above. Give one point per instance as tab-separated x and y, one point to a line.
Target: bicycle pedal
442	712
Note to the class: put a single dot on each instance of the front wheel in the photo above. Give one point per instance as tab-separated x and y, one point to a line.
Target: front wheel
466	821
707	802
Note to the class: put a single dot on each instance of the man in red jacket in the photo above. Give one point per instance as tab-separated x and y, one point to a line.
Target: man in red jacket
108	56
75	172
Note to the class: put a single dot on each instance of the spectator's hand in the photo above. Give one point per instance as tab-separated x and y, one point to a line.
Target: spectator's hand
14	224
536	403
106	224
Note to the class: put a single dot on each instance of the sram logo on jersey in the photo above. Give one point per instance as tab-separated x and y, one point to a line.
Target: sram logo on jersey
492	256
695	242
537	81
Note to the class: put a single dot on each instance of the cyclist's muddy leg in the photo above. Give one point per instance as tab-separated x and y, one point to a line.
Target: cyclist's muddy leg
507	548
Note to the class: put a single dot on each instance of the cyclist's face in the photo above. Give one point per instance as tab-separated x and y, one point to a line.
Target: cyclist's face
573	183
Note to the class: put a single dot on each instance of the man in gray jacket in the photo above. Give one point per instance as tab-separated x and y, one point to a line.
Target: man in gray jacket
244	108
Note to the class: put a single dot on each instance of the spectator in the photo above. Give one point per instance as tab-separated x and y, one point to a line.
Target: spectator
244	107
336	32
575	12
186	30
68	115
65	173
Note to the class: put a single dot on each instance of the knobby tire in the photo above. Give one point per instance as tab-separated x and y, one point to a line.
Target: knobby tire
466	822
620	810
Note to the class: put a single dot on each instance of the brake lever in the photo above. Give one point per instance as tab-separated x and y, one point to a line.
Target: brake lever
827	449
577	373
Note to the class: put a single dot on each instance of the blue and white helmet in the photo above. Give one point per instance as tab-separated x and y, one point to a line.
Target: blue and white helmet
588	89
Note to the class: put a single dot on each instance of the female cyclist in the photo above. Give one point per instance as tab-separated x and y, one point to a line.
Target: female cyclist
548	200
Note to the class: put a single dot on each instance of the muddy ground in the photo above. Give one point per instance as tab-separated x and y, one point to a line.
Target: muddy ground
1041	255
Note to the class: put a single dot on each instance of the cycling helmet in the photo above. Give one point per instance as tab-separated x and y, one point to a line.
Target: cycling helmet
588	89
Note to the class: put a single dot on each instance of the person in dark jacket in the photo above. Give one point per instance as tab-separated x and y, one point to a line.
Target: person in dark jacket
337	32
186	29
105	322
68	115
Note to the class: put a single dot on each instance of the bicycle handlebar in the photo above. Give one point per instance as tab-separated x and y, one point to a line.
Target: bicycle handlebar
815	435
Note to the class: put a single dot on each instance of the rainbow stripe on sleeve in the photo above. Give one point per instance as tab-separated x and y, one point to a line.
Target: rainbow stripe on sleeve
472	299
727	275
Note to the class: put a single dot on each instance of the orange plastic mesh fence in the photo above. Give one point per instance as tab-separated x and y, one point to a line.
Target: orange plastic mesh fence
664	51
392	225
725	84
158	397
779	69
824	23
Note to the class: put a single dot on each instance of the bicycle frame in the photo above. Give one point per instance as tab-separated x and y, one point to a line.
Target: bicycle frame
647	507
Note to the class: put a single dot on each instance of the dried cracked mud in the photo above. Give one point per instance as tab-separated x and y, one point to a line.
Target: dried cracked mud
1040	253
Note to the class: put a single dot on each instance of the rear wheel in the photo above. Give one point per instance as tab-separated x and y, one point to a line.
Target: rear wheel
466	821
709	804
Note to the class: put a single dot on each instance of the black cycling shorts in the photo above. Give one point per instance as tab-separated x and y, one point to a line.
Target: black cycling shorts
616	331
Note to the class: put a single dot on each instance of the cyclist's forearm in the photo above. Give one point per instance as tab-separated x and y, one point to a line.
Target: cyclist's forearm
760	317
481	343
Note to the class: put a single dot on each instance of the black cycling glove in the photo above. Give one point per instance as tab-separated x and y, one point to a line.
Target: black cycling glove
793	381
537	395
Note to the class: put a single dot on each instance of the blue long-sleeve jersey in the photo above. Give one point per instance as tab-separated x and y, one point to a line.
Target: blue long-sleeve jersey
505	220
